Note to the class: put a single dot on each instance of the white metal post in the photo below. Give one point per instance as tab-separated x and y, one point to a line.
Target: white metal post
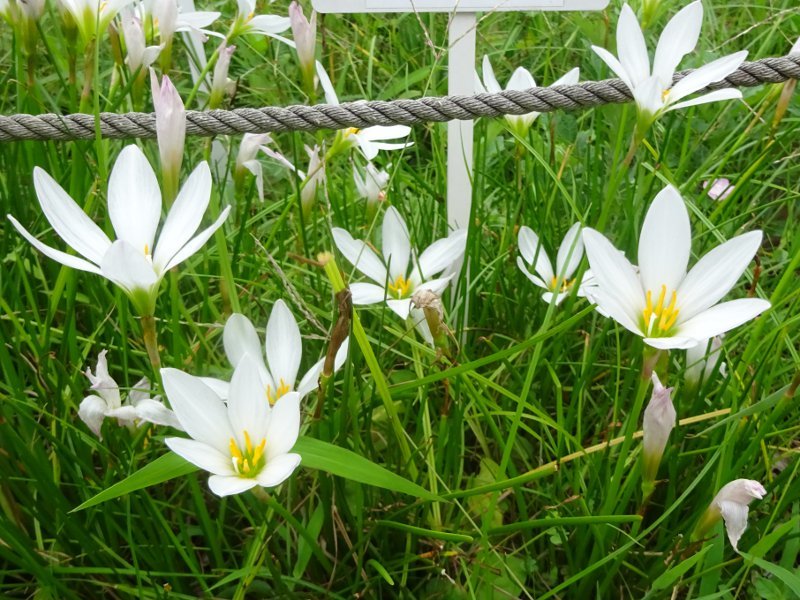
460	80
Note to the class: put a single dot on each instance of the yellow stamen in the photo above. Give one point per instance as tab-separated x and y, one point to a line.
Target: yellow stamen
283	388
566	284
401	287
660	319
351	131
146	250
665	95
249	462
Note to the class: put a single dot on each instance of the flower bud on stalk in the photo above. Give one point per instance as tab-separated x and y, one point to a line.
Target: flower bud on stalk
730	504
219	83
658	422
305	39
170	131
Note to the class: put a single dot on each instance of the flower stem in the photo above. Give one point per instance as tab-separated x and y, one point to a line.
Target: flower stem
151	341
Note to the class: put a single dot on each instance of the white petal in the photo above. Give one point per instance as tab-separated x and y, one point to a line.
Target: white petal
155	412
400	307
327	86
128	268
722	317
248	406
134	199
201	412
57	255
631	47
396	244
417	317
201	455
284	425
437	286
534	254
384	146
359	255
185	215
240	338
68	219
735	516
310	380
341	354
229	485
284	345
677	40
671	343
367	293
489	79
92	411
649	96
614	65
440	255
278	470
715	274
571	78
521	80
269	24
665	242
609	305
382	132
218	386
712	72
616	277
198	241
534	279
715	96
570	253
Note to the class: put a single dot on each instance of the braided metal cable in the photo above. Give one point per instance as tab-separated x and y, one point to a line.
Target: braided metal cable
367	113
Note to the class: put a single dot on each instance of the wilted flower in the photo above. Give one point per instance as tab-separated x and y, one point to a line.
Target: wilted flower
658	422
556	282
248	22
395	285
220	84
243	443
372	185
370	140
283	348
701	367
664	304
170	131
653	90
106	402
719	189
520	80
731	504
134	261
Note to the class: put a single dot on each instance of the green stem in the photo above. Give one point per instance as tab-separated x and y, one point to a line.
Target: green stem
150	337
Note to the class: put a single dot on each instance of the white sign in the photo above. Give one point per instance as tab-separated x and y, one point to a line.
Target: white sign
366	6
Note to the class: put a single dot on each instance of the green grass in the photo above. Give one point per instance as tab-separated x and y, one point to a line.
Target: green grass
530	384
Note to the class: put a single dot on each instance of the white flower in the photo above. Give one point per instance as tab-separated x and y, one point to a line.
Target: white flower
134	262
719	189
652	90
369	140
391	274
701	367
569	256
93	16
372	185
658	422
304	33
170	131
106	402
138	54
246	158
220	84
664	304
731	503
170	19
242	444
284	351
520	80
248	22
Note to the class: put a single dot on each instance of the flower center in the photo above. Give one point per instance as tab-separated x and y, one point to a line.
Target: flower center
665	95
351	131
400	288
659	318
247	462
566	285
272	397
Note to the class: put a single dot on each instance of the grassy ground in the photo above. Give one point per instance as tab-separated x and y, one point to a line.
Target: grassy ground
531	385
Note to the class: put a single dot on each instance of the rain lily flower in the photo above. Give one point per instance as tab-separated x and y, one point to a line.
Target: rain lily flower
284	351
658	422
304	33
170	131
246	160
248	22
393	283
244	443
719	189
558	282
92	16
652	89
372	186
220	84
664	304
139	55
171	19
702	360
134	262
107	402
520	80
370	140
309	183
731	504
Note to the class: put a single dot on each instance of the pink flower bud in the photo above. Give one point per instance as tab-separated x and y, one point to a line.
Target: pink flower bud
659	420
305	36
170	131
